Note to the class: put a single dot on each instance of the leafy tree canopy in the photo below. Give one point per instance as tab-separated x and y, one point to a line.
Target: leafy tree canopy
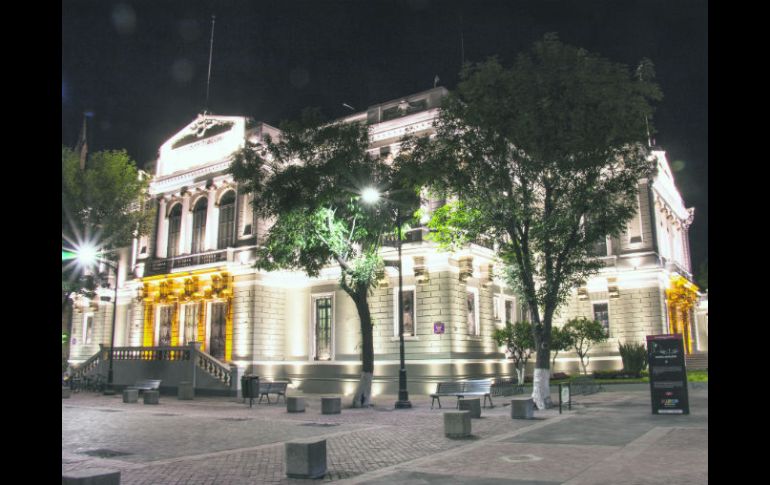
102	204
309	183
545	158
104	197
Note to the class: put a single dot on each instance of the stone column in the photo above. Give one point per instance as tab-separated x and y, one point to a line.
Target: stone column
211	220
185	233
162	240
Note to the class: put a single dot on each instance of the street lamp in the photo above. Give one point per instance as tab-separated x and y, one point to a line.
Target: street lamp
87	256
371	196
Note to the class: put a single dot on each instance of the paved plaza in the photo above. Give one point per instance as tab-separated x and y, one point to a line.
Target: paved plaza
608	438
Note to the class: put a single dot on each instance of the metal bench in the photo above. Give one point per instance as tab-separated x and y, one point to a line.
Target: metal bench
478	388
461	390
147	385
277	388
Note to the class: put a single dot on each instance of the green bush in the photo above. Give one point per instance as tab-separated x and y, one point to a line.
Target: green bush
634	357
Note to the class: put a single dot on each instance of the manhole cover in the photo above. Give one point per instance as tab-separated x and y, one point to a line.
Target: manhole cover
110	410
104	453
320	425
164	414
235	419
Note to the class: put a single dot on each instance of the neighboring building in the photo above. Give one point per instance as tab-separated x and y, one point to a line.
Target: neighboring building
195	281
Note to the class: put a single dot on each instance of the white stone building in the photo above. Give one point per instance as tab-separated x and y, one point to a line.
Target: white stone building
194	281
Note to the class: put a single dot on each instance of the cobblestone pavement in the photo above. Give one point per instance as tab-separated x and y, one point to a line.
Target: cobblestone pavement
216	440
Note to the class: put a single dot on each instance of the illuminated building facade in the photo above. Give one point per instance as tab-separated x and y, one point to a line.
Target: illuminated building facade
194	285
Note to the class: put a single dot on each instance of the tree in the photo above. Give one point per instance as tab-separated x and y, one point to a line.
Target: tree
519	344
104	203
309	182
543	158
585	333
561	339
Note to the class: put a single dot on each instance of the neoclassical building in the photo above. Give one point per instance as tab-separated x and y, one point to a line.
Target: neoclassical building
191	298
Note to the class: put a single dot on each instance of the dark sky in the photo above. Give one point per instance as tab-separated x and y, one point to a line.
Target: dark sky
141	67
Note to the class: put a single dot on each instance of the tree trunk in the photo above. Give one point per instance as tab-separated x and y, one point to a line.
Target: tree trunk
363	394
541	382
520	375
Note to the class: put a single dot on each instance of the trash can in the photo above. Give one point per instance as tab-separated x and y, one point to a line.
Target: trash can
249	388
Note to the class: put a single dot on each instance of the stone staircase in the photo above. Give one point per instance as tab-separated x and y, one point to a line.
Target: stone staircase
697	361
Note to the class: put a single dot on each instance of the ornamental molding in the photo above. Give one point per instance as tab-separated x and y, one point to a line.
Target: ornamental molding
171	182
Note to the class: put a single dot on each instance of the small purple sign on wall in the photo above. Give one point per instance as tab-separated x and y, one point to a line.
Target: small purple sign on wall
438	327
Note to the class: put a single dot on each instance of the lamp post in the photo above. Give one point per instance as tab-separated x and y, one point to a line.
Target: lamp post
87	256
371	196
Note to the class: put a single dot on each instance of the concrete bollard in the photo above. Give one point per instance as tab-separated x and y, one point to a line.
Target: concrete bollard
457	424
92	476
306	458
130	395
295	404
151	397
522	408
66	392
185	391
331	405
472	405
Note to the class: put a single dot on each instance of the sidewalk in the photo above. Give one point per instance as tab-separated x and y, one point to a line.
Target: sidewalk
607	437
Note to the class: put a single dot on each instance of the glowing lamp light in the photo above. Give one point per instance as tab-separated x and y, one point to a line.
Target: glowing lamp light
370	195
87	255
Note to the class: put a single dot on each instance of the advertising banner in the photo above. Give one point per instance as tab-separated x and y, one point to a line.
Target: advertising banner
668	376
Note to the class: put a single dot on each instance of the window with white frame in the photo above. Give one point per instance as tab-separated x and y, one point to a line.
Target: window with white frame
410	312
496	308
472	305
602	315
509	310
323	326
88	328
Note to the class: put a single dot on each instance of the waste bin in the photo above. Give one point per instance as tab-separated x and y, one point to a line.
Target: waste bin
249	388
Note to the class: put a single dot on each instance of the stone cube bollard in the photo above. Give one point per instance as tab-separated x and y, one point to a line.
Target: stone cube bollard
66	392
306	458
522	408
151	397
457	424
185	391
472	405
331	405
92	476
295	404
130	395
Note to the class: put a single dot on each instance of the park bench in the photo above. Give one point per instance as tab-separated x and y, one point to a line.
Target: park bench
584	385
147	385
277	388
461	390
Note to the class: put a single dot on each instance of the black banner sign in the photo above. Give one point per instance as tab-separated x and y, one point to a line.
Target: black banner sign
668	376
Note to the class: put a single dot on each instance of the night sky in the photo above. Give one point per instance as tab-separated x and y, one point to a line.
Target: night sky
140	68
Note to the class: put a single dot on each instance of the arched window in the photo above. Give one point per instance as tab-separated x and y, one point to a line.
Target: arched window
174	228
226	236
199	225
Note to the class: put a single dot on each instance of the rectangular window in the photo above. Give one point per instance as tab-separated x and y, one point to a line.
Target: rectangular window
322	324
218	330
602	315
496	308
88	328
509	311
634	227
410	322
471	299
190	323
164	325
